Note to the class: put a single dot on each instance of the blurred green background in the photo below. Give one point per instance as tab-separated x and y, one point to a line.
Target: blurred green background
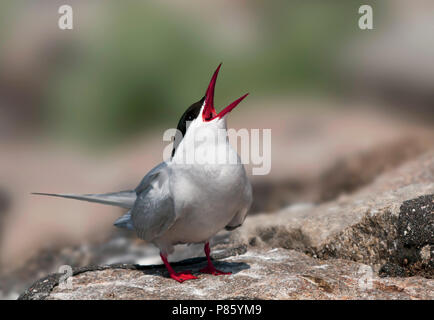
133	65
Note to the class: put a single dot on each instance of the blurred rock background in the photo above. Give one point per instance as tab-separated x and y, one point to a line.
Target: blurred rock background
84	110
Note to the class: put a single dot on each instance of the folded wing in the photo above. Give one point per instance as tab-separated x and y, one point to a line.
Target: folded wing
153	212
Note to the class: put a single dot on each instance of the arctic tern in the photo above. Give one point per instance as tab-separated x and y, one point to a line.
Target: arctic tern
184	202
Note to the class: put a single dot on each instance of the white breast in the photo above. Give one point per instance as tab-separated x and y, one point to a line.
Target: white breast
207	194
206	199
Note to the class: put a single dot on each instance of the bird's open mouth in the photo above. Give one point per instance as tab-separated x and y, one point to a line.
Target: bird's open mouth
209	112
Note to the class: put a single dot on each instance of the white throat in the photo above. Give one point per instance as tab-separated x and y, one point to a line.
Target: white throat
205	143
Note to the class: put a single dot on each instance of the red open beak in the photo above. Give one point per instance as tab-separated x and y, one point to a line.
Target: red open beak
209	112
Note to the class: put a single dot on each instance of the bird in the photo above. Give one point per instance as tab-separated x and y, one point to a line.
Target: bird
185	199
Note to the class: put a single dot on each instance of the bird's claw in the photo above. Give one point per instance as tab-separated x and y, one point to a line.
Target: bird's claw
182	276
212	270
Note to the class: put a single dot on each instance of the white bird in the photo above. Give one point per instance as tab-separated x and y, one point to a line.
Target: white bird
201	190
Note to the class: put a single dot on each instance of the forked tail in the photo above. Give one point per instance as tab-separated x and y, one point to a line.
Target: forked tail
123	199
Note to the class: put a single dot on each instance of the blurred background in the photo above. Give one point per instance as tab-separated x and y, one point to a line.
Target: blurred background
84	110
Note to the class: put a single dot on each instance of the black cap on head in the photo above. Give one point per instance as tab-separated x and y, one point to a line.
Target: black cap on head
189	115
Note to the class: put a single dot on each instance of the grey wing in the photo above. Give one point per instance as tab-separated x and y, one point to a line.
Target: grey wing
237	220
153	212
241	214
147	179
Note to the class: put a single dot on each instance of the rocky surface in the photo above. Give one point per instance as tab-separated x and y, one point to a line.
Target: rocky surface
257	274
376	243
317	153
310	174
122	248
415	251
322	164
364	227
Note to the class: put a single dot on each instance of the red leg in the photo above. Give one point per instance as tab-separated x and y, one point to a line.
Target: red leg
178	276
210	268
